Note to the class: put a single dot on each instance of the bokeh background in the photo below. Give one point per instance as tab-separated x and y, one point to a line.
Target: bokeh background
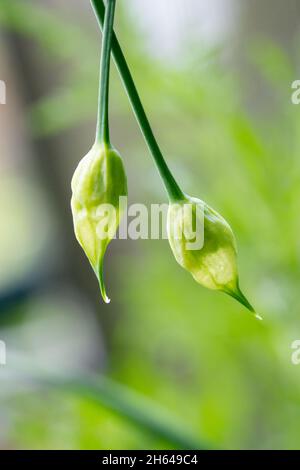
167	364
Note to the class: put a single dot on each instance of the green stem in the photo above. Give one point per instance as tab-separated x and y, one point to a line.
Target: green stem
135	409
102	133
171	185
118	399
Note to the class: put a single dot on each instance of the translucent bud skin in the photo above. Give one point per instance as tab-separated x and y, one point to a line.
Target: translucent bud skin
97	184
213	261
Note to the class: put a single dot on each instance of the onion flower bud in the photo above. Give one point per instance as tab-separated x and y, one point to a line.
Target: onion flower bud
203	243
97	184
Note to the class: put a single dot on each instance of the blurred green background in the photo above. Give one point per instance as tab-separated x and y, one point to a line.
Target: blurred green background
171	363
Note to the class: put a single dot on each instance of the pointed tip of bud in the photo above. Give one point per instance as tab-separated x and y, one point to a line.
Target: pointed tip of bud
238	295
103	291
105	298
101	282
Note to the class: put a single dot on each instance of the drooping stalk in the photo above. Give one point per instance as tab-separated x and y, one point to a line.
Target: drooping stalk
173	190
102	132
202	271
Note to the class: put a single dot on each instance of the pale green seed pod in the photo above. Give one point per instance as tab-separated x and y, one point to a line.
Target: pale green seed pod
97	185
204	244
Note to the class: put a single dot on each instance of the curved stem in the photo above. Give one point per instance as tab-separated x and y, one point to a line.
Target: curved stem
102	133
109	395
171	185
135	409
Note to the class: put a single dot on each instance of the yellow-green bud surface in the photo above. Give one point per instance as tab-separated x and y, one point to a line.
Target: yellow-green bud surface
204	244
97	184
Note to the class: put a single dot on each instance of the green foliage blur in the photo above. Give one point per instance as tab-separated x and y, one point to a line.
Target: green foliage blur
199	355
